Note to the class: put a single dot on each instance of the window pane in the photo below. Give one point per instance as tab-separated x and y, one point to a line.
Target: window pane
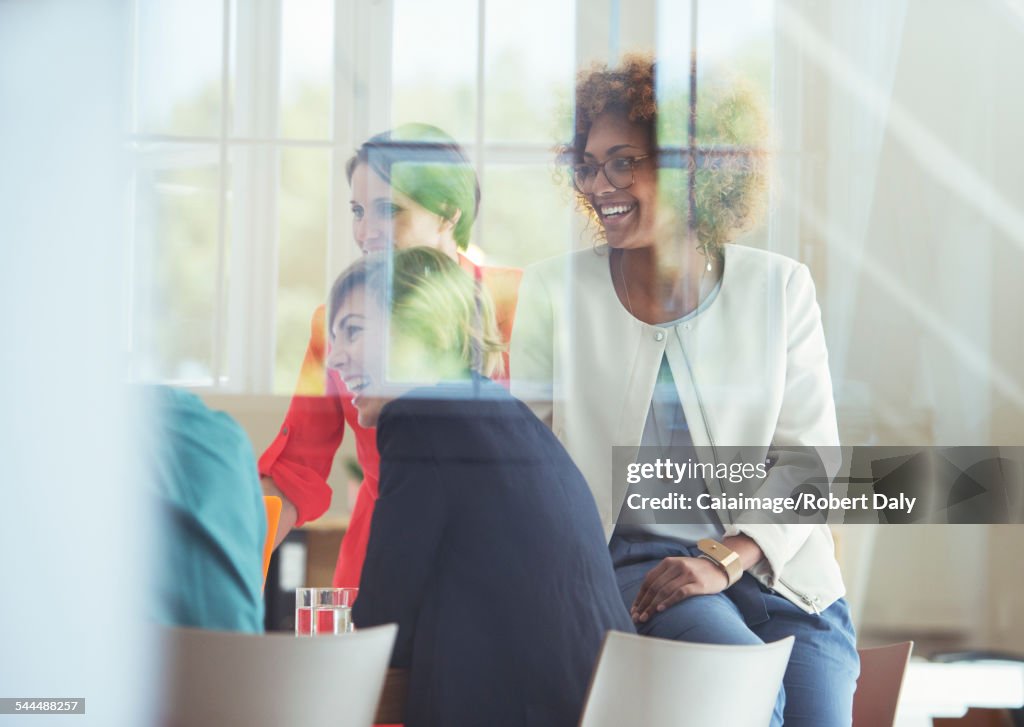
307	36
178	67
302	250
530	70
177	229
734	53
434	65
526	214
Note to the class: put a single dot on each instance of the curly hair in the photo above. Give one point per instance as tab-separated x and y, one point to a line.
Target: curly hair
627	90
728	166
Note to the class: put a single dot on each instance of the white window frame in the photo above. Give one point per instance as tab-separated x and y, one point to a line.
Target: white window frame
243	327
243	332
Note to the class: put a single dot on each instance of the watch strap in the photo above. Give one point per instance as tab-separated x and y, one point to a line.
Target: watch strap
725	558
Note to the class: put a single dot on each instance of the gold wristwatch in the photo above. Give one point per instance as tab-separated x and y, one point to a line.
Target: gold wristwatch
726	559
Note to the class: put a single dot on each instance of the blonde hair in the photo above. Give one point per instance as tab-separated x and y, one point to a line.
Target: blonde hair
433	302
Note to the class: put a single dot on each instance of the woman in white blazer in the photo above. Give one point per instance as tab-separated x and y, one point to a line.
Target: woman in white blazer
666	337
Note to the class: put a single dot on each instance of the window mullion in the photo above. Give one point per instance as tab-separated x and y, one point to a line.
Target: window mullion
361	107
220	282
481	111
252	292
788	84
594	19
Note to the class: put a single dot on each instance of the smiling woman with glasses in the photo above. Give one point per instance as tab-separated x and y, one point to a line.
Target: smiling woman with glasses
669	337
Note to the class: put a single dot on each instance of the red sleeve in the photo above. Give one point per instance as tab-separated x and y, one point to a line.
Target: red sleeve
300	457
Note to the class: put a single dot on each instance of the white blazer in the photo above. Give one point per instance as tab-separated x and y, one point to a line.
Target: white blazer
751	370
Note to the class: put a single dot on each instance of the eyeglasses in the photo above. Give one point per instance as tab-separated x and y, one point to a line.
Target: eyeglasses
617	170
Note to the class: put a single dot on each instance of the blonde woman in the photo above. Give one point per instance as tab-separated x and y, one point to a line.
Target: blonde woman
485	546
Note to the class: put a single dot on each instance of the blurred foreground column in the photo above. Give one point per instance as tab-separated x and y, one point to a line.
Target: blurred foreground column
73	534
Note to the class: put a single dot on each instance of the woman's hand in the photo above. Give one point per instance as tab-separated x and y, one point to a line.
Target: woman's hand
674	579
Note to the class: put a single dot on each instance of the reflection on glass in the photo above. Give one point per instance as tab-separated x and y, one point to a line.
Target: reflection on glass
178	67
307	35
734	37
527	214
177	223
529	74
735	47
302	249
434	72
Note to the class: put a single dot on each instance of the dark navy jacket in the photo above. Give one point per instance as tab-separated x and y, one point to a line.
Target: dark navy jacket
486	548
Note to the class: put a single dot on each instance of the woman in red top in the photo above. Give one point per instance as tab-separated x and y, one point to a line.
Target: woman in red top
411	186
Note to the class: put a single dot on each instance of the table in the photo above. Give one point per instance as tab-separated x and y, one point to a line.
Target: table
950	689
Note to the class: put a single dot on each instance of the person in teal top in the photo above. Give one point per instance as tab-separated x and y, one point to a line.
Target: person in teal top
211	521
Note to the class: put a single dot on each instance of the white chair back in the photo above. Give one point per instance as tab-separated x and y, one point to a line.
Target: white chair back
216	678
647	681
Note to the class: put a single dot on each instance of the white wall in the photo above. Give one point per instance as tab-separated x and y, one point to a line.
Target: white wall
910	194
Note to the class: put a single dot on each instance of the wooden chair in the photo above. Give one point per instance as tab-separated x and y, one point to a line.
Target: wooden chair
879	684
391	709
216	678
642	680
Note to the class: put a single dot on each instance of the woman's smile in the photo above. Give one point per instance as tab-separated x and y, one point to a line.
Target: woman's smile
627	208
615	215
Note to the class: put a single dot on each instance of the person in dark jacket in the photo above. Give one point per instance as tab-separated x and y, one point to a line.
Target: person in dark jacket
486	546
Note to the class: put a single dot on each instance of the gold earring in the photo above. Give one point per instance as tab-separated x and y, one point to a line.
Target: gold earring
707	250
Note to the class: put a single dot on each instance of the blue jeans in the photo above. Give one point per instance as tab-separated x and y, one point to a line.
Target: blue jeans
817	689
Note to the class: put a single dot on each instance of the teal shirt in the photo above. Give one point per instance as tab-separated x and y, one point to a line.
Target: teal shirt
211	521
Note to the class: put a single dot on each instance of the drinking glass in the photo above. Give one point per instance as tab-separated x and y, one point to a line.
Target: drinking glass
347	598
304	599
332	612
